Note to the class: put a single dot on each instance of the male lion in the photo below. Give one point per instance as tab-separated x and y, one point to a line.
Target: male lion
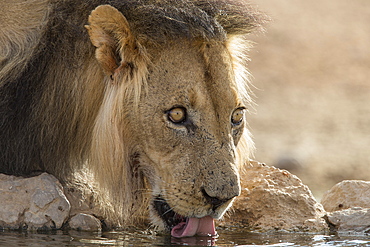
149	96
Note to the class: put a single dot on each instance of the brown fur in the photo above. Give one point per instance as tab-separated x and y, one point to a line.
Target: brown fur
95	99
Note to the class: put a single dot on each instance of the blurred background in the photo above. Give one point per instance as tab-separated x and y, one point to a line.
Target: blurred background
311	73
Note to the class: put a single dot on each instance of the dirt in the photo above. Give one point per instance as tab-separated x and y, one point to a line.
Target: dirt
312	76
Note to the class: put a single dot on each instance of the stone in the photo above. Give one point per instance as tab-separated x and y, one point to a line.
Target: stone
274	199
85	222
32	203
348	207
347	194
350	221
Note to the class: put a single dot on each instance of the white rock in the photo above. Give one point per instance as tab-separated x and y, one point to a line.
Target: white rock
32	203
351	221
347	194
274	199
85	222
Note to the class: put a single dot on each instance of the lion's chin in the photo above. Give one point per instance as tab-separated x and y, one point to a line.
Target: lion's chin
181	226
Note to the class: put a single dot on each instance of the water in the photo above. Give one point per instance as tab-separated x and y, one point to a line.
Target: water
147	238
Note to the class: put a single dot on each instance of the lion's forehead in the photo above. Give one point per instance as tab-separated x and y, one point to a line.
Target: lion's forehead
188	74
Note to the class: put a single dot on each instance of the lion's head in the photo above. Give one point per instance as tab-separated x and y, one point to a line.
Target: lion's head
187	123
177	102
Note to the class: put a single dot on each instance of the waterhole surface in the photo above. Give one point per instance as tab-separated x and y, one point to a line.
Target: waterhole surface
229	237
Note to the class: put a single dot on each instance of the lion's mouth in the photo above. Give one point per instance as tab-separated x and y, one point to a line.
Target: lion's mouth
166	213
181	226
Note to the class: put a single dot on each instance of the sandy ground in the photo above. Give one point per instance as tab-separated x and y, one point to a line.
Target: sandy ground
312	77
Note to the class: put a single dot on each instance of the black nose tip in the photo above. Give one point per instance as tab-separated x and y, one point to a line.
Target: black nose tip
214	201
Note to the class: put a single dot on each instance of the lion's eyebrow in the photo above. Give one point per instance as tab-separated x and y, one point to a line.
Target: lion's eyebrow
196	99
240	103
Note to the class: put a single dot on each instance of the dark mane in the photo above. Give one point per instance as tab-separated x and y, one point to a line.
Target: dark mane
172	19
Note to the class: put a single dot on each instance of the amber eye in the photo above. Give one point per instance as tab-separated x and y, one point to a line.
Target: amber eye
177	115
237	116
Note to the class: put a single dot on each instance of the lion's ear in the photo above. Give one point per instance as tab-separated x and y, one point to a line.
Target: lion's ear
110	33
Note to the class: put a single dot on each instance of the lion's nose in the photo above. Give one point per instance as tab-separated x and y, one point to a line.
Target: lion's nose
215	201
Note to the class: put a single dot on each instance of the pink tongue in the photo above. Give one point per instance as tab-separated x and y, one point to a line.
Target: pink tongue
203	227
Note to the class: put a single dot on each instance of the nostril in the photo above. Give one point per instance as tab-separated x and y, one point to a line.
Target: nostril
214	201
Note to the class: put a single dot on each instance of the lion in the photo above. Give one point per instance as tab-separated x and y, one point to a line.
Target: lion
147	96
